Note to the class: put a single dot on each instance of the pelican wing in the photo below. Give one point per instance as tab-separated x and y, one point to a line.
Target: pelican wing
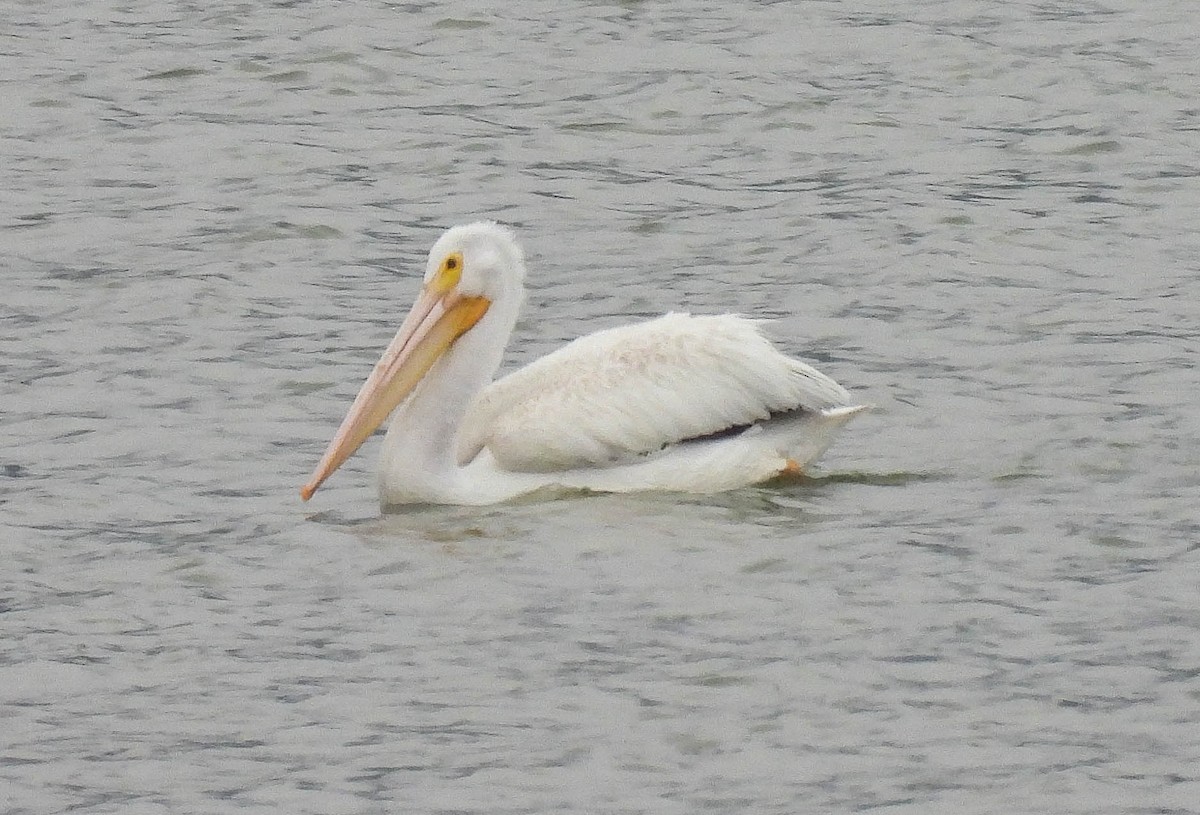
635	389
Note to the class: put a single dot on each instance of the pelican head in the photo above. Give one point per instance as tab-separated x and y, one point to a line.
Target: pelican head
472	270
488	259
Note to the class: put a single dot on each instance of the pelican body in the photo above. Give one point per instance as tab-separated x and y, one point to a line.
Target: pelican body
680	403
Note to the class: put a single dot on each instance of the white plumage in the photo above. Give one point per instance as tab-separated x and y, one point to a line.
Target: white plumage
691	403
637	388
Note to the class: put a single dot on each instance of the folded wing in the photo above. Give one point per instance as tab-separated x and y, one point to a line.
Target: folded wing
628	391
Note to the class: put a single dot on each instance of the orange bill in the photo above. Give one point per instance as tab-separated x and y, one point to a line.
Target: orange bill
438	318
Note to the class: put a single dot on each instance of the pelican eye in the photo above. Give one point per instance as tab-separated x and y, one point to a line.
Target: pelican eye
450	271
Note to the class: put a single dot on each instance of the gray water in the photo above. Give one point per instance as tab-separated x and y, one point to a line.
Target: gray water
979	217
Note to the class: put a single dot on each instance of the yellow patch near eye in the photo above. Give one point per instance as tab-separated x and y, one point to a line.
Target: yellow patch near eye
449	273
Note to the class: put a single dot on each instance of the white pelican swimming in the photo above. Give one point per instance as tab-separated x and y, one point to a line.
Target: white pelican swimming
683	403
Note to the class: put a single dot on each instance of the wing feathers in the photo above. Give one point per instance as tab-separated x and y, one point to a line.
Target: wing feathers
636	389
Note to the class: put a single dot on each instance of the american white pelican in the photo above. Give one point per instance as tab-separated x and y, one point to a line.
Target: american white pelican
683	403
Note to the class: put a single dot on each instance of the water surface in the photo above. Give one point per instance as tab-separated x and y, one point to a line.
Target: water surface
981	219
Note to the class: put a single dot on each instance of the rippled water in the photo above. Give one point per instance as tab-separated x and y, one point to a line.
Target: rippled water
979	217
